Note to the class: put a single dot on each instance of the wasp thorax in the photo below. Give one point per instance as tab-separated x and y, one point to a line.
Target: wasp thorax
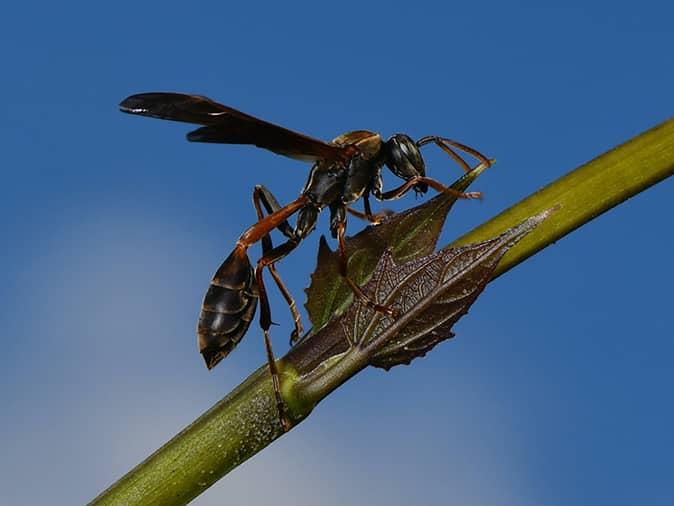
404	159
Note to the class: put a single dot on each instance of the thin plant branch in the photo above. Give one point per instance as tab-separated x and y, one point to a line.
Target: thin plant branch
246	421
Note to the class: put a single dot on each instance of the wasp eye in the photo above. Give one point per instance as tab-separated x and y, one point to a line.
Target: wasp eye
404	158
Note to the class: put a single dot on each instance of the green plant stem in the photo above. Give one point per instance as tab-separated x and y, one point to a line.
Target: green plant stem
245	421
585	193
233	430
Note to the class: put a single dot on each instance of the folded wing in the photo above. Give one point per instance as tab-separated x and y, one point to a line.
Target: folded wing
222	124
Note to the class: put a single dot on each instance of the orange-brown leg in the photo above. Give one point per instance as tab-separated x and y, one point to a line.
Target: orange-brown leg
267	260
269	223
436	185
257	232
464	165
262	196
443	143
375	219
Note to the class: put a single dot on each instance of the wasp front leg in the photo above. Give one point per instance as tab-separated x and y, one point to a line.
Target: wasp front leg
414	175
436	185
444	143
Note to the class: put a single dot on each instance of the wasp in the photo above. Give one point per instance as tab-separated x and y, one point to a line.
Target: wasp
344	170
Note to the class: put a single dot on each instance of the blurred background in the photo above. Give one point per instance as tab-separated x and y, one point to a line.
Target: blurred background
558	387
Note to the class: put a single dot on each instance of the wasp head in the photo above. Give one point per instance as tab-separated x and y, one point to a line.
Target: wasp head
404	159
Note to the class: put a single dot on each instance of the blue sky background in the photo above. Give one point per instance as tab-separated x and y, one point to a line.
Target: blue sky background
558	387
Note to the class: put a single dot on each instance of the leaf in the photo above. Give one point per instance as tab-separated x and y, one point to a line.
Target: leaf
410	234
428	294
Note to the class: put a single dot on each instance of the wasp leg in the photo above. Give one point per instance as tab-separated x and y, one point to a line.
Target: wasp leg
339	226
443	142
436	185
375	219
268	259
255	233
261	195
260	229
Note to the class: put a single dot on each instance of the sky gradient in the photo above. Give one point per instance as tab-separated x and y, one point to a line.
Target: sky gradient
557	389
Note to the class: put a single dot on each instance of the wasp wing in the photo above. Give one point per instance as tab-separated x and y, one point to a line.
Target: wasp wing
225	125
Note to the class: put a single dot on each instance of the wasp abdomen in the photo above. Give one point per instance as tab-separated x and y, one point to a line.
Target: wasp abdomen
228	308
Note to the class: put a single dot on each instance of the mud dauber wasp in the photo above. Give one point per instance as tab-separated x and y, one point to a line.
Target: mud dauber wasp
344	170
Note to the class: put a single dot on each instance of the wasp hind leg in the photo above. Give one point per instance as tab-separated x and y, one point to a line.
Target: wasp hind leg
258	232
268	260
263	197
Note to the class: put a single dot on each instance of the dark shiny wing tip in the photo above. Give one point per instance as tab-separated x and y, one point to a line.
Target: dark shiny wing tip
176	107
159	104
135	104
